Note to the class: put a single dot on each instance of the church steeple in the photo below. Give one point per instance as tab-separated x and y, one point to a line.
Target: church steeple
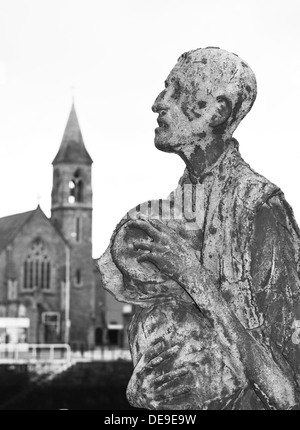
71	213
72	182
72	149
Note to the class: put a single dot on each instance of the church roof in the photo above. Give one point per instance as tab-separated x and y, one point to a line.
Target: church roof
10	226
72	149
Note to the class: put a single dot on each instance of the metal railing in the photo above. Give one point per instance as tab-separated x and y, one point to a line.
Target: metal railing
104	353
34	353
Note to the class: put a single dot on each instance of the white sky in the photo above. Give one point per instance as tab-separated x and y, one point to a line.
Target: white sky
117	53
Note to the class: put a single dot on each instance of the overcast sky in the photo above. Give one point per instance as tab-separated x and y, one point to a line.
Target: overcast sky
117	54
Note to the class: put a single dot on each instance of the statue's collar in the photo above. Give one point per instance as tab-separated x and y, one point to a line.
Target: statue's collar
231	150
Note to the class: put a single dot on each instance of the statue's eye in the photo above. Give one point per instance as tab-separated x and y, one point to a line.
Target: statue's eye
166	84
177	90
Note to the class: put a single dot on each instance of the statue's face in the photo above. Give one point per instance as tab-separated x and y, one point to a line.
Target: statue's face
185	110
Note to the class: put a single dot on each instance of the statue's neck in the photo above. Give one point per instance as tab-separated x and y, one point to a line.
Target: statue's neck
202	155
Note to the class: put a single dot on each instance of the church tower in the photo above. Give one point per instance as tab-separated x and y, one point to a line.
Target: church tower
71	213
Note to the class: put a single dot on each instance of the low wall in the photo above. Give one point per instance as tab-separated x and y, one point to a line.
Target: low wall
85	386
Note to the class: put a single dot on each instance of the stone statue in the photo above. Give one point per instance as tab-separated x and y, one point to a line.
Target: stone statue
212	271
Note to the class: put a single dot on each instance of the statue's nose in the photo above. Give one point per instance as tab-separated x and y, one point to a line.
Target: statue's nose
159	103
154	108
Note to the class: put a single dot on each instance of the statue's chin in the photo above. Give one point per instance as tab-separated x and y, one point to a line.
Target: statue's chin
160	139
167	141
164	144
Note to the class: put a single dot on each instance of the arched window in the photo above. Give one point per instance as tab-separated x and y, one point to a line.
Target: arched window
76	188
37	268
78	277
56	186
77	229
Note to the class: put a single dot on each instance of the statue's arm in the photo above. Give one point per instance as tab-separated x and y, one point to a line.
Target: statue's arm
112	280
111	277
273	380
275	280
271	366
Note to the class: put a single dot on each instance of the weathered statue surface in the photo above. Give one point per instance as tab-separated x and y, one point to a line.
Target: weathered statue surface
213	270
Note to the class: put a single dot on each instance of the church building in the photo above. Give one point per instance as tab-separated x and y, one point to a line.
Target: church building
47	273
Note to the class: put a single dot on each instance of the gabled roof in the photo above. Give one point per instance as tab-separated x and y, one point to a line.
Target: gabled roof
10	226
72	149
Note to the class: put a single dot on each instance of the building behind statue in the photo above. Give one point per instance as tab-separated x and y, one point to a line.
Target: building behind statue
47	274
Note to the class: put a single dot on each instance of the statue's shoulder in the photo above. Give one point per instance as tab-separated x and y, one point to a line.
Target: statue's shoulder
252	193
251	187
237	182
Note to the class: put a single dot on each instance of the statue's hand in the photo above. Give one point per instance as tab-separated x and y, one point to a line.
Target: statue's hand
168	250
160	381
176	389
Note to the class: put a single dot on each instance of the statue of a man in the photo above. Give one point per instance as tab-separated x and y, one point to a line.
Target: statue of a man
216	290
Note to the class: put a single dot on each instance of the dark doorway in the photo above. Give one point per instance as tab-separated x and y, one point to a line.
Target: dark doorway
50	334
99	336
113	337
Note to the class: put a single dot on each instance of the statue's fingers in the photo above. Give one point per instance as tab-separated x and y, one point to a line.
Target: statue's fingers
155	350
148	246
159	341
158	360
139	244
146	227
148	257
170	395
163	228
166	355
166	233
157	347
160	226
184	381
171	376
179	405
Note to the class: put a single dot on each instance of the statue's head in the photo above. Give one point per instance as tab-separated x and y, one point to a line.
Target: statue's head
207	93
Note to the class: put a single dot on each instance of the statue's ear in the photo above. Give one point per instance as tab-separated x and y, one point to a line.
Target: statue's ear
222	112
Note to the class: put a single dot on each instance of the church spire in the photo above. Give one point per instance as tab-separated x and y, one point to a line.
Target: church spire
72	149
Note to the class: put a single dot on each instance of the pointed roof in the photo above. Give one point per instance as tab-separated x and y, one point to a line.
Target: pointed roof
10	226
72	149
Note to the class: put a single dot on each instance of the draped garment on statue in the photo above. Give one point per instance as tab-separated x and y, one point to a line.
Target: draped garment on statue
250	242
